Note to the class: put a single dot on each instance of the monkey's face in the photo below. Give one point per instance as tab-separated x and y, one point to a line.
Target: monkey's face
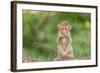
64	29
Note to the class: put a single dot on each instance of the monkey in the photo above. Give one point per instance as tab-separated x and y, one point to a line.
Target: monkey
64	40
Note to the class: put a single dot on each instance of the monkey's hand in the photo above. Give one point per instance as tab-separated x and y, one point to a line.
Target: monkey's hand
66	56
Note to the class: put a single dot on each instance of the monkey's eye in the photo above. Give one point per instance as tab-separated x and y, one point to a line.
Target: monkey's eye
65	28
62	28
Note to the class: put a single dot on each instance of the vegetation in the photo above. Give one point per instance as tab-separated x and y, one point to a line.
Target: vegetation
40	33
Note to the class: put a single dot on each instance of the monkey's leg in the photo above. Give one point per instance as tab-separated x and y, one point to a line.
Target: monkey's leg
59	51
69	55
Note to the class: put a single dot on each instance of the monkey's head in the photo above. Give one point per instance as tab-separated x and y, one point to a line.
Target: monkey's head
64	27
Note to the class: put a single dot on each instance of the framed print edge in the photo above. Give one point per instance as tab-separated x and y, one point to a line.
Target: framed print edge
96	35
14	36
55	4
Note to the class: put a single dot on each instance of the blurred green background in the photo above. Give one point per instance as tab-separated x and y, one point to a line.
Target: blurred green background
40	33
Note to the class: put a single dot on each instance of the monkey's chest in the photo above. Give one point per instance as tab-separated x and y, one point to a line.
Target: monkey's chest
65	41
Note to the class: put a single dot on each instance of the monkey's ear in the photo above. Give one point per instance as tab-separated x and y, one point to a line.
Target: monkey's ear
58	26
70	27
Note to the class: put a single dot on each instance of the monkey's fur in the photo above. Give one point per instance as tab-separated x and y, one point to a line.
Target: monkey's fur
64	47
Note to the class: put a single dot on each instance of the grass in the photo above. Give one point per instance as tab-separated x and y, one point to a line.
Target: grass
40	55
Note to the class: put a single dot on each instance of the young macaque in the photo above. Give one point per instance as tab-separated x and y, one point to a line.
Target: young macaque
64	47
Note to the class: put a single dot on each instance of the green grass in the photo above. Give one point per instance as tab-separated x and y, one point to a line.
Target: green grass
40	54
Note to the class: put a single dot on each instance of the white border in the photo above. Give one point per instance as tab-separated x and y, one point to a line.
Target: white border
21	65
